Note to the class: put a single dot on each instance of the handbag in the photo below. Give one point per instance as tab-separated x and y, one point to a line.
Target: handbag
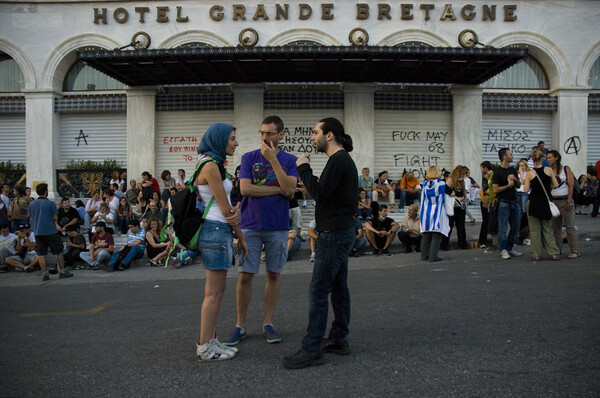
449	205
553	208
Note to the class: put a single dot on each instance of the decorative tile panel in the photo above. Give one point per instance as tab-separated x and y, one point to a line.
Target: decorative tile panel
190	102
413	101
301	100
12	105
594	103
91	103
519	102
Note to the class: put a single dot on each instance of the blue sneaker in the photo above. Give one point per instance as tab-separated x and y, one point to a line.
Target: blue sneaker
235	336
271	334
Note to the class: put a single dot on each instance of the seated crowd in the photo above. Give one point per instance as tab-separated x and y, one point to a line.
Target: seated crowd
141	210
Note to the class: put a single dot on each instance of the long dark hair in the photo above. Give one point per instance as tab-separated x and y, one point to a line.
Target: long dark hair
555	153
337	128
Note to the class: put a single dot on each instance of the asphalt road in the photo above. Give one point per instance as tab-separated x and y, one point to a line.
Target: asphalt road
470	326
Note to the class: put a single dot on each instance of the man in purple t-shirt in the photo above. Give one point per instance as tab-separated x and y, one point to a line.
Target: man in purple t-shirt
268	178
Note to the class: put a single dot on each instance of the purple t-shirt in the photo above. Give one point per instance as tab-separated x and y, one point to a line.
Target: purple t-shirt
268	213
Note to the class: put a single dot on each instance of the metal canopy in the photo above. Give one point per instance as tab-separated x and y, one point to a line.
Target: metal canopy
401	64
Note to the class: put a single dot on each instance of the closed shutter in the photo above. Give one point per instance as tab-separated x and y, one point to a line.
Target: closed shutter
93	136
13	147
178	134
593	139
298	128
412	140
518	131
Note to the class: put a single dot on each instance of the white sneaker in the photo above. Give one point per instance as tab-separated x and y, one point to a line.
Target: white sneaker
527	242
515	253
312	257
225	347
212	352
505	255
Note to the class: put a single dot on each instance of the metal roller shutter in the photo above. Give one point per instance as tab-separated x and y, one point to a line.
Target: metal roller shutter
593	141
178	134
299	125
519	131
13	145
93	136
412	140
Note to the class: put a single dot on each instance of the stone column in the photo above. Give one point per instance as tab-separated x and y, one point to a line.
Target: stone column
248	113
570	127
141	129
467	104
359	123
42	126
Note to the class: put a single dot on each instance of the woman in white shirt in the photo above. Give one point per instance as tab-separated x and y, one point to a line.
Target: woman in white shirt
216	240
563	199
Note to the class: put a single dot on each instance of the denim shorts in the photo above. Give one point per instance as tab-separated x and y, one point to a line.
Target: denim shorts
216	245
275	244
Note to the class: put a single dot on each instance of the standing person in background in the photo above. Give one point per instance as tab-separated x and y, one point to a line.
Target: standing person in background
434	220
562	196
268	179
597	201
540	181
456	182
484	193
44	217
335	196
523	195
20	205
505	182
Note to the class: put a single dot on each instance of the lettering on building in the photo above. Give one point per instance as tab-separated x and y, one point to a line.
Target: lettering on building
302	12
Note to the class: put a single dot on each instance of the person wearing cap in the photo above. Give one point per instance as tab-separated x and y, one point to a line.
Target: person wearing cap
75	245
102	246
26	258
44	216
133	250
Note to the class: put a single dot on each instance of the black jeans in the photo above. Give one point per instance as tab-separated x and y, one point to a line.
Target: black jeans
459	219
483	232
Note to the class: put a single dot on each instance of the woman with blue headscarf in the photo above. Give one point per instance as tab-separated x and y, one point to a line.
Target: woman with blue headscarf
216	239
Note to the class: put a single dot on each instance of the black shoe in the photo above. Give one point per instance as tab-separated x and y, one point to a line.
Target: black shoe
386	252
106	268
119	267
408	250
45	277
3	270
52	271
334	347
303	359
352	253
65	274
376	252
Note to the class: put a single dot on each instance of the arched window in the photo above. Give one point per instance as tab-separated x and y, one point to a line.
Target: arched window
11	76
527	74
594	77
82	77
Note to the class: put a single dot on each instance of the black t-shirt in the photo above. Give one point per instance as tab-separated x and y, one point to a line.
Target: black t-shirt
500	178
382	225
65	217
335	192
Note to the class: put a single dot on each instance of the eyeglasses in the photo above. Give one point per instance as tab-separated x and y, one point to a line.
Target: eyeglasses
267	133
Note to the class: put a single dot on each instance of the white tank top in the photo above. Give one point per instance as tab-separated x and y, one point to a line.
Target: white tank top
563	187
214	213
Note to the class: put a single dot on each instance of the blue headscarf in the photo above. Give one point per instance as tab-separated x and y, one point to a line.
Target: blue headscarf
214	142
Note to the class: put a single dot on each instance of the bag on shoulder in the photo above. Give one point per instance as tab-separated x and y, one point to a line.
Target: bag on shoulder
184	221
449	205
